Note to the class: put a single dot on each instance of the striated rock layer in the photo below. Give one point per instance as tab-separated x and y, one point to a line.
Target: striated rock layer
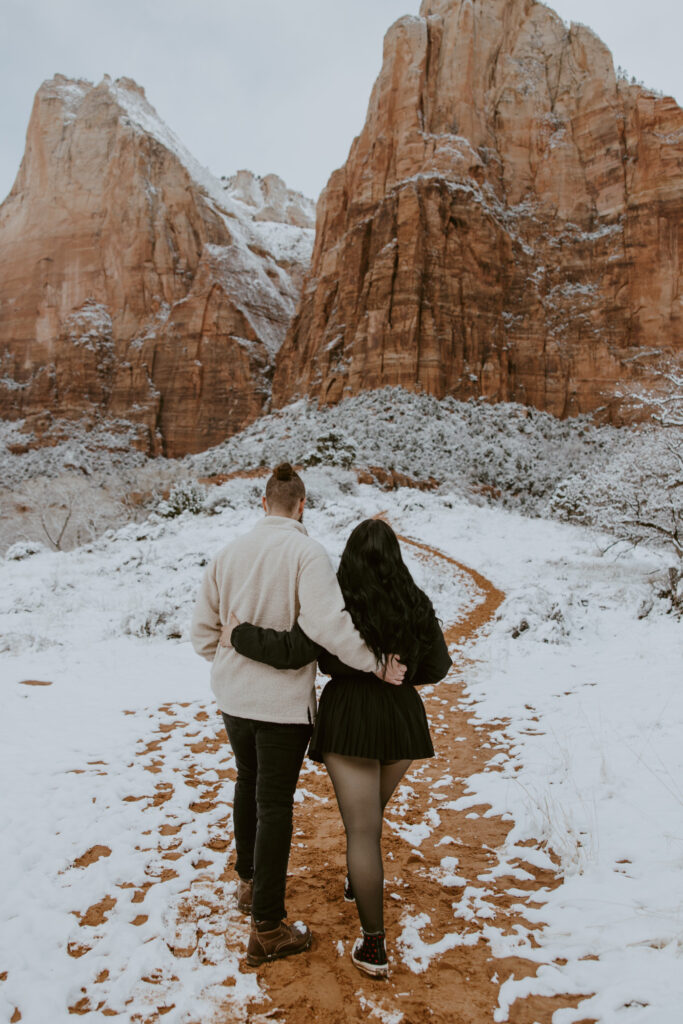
509	223
133	284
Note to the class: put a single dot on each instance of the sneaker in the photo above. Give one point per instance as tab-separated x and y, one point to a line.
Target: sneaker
275	940
348	891
369	954
245	888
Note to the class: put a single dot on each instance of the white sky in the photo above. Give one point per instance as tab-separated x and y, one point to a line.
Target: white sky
273	85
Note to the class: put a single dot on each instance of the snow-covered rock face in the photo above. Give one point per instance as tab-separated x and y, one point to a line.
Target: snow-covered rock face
133	283
508	223
271	199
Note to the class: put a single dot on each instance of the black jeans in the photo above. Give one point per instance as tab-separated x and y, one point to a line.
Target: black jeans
269	756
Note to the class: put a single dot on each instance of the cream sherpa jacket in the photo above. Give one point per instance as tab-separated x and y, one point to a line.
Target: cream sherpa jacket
272	576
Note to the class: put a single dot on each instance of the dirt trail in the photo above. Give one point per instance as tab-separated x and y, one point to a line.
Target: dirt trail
461	983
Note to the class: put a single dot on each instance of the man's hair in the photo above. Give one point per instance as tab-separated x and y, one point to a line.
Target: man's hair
285	488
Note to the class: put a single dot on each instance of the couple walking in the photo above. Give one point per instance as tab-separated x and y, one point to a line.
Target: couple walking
375	633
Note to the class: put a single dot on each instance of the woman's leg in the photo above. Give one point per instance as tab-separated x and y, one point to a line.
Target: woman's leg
356	782
390	774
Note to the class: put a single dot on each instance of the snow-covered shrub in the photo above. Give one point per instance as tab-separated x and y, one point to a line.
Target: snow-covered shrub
502	453
168	623
637	496
670	588
569	501
185	496
218	499
110	448
536	615
332	449
24	549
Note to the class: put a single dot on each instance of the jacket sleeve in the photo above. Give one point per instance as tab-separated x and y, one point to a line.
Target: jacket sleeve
281	648
323	618
205	631
435	662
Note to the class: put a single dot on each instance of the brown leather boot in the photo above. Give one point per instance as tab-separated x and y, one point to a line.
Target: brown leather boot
280	939
245	888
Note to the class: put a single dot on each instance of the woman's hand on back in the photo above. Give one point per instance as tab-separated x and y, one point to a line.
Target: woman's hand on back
393	670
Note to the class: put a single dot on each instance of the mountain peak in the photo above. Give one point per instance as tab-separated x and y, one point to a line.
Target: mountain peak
507	224
111	215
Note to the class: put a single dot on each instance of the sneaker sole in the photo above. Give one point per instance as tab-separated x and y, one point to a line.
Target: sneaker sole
349	899
372	970
256	961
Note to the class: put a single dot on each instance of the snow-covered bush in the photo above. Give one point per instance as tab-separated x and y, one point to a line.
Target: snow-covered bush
185	496
636	498
639	496
503	453
171	623
332	450
670	588
569	500
534	614
23	549
109	448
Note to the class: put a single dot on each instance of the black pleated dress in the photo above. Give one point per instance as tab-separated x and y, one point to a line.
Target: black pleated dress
359	715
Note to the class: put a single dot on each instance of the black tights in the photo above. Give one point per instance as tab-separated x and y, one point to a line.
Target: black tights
363	787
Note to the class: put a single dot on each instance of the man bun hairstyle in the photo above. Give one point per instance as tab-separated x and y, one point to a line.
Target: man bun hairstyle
285	488
283	472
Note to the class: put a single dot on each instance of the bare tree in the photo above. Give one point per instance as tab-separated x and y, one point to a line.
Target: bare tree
64	511
643	503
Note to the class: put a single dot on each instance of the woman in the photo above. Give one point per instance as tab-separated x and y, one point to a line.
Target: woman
367	731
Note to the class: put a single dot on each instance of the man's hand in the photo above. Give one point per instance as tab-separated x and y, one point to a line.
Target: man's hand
226	632
393	670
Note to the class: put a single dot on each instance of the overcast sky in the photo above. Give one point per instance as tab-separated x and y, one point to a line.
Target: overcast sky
273	85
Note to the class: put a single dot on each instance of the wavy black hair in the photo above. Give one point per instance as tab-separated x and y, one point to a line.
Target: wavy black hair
388	609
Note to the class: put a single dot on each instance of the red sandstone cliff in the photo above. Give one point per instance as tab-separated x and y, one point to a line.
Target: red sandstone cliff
133	284
509	222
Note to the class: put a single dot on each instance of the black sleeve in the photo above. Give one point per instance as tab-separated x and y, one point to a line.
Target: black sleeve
330	665
435	662
281	648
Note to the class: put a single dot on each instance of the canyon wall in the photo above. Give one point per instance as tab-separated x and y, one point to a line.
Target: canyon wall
134	285
508	224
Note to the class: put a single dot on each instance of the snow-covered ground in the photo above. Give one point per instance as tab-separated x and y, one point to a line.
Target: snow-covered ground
587	695
594	700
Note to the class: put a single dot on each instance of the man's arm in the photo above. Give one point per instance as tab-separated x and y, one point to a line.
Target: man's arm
322	616
206	624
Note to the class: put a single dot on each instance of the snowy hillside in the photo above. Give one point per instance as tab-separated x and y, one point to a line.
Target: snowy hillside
560	728
625	482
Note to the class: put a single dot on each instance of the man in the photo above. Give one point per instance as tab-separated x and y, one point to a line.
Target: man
273	575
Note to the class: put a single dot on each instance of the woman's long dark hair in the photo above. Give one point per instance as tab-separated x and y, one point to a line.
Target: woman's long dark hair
388	609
